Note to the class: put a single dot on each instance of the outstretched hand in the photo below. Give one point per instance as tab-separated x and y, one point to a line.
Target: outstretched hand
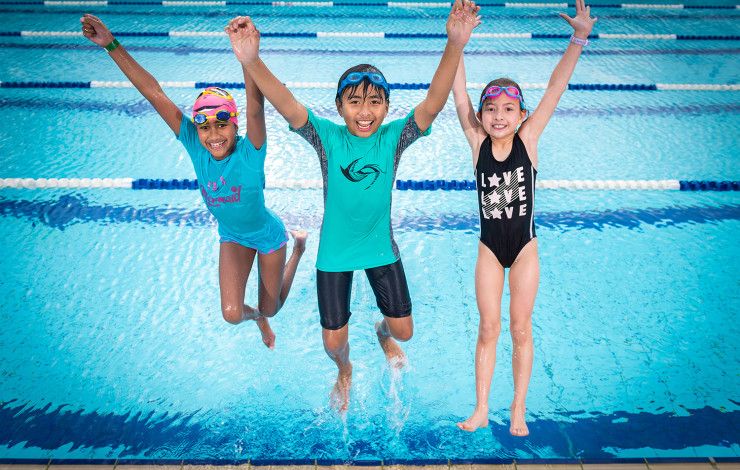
94	30
582	23
245	39
462	20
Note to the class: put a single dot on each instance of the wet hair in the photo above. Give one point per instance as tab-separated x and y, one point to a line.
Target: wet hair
504	82
365	83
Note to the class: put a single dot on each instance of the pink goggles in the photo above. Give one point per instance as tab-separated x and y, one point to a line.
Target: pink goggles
215	103
495	90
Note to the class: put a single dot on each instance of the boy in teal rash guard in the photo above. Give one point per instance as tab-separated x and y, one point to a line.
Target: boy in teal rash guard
358	164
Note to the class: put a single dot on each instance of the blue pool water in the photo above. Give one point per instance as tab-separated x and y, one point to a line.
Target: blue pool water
113	346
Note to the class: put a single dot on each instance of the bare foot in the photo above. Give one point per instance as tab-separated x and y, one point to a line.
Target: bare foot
339	398
479	419
518	423
299	240
393	352
268	337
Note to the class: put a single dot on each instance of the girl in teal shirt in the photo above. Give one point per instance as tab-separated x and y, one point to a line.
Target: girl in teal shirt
230	171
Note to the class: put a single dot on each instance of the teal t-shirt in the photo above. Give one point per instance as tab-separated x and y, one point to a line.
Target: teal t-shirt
358	174
232	189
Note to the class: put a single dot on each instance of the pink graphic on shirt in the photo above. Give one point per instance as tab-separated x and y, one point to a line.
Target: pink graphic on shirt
216	201
213	185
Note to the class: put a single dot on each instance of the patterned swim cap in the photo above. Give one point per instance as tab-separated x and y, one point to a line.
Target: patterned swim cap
214	99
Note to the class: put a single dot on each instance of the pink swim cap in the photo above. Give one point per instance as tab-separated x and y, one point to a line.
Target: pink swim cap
214	99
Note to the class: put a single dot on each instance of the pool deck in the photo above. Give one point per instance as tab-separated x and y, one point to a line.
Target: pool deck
646	465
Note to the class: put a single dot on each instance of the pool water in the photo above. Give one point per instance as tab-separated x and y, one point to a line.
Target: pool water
113	345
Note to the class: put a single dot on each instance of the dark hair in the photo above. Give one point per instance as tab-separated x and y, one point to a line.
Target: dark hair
365	83
503	82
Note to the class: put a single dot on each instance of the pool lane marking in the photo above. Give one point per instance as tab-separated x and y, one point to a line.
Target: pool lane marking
553	5
412	185
395	86
386	35
508	52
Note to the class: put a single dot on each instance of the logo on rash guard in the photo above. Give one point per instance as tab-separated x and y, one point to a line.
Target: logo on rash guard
355	175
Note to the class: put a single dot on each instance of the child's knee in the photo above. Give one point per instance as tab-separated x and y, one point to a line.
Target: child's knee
403	333
334	347
489	331
233	314
268	309
521	332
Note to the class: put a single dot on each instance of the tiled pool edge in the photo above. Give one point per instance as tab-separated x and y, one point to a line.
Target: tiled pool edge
726	463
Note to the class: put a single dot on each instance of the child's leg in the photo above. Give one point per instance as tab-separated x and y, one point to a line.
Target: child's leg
394	301
271	270
524	278
489	285
391	329
336	345
234	264
299	247
333	291
276	276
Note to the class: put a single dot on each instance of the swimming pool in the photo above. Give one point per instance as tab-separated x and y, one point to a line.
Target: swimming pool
113	346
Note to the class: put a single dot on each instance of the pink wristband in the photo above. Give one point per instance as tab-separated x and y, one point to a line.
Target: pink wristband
579	41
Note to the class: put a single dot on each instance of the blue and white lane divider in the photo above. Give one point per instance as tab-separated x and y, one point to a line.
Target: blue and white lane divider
407	185
223	3
384	35
393	86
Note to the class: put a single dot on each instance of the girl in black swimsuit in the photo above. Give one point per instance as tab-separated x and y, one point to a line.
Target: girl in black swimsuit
504	144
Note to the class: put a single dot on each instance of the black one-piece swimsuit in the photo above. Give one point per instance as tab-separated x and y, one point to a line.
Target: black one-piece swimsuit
505	200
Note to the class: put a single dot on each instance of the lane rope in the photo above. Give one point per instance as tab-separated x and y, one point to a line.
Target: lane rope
391	4
403	185
387	35
394	86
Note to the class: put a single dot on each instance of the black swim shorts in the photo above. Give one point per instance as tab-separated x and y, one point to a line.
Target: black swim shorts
335	288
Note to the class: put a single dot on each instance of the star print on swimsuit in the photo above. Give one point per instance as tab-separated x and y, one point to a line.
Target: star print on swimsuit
496	203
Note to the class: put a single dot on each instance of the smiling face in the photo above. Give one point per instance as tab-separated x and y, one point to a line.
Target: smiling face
363	107
215	117
501	116
218	137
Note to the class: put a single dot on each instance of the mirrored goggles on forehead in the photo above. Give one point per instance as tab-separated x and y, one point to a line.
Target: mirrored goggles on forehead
216	92
356	77
220	116
495	90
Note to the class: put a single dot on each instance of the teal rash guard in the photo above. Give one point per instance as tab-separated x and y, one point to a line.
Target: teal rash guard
358	175
232	189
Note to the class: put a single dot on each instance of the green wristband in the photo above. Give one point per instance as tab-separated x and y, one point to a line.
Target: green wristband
113	45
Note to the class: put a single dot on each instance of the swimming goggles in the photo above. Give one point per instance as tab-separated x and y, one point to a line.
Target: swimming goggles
356	77
220	116
495	90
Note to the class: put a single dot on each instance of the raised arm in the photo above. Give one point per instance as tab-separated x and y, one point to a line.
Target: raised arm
582	25
255	112
245	41
94	30
472	128
460	24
